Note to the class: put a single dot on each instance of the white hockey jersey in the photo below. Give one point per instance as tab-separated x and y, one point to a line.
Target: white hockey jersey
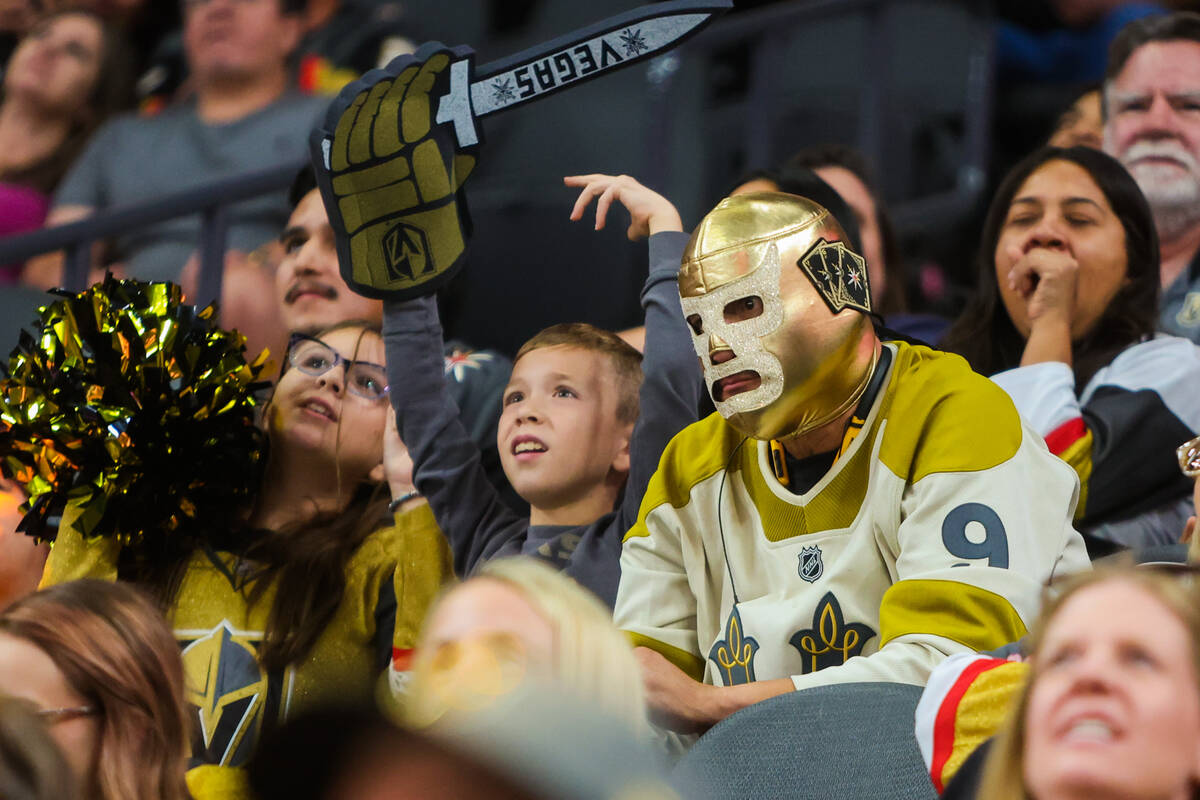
933	533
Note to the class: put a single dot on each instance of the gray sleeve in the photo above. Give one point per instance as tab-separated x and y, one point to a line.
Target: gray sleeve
446	466
85	184
671	383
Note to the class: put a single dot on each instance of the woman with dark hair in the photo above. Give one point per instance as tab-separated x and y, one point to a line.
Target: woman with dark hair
66	76
1063	319
102	670
324	584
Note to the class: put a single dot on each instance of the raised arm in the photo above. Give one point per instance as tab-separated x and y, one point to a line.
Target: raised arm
446	466
671	383
391	182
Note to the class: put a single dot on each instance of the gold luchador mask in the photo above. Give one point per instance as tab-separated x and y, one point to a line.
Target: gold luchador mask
778	306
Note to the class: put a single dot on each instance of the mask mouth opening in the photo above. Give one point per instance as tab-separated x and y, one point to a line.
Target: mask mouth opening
745	381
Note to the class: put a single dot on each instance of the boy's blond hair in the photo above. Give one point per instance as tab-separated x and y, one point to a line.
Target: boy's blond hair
626	361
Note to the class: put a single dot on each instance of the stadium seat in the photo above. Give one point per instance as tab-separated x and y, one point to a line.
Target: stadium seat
842	741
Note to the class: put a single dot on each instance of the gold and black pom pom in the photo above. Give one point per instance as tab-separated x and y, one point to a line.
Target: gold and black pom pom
136	409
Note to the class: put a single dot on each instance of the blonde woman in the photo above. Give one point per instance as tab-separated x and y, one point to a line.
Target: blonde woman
518	619
1112	705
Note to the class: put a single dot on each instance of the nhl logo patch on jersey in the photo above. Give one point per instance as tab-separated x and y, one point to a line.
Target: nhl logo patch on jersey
811	566
840	275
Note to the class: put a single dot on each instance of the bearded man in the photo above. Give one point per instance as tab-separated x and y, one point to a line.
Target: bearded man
1152	126
856	510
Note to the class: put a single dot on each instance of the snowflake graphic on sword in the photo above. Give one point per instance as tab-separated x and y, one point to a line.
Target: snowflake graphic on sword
633	42
502	91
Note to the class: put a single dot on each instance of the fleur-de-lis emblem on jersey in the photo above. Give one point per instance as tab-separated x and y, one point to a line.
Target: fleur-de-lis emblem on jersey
840	275
734	656
831	641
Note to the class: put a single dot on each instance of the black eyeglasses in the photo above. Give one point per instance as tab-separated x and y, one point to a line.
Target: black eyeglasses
313	357
1189	457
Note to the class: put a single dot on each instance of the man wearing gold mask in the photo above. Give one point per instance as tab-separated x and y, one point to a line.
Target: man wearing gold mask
857	509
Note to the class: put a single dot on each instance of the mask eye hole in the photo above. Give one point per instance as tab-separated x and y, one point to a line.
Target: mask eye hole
696	324
744	308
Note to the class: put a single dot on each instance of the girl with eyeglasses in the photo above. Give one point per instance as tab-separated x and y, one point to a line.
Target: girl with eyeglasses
323	587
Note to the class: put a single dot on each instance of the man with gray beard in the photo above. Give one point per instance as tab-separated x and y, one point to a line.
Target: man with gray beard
1152	125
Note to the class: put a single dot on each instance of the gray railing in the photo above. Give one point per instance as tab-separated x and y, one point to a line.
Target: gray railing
211	201
763	28
766	30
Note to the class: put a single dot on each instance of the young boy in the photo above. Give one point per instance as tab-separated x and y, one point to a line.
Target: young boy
568	439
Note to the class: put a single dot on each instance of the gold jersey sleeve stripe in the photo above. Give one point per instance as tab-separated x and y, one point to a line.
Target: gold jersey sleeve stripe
954	405
690	663
972	616
982	710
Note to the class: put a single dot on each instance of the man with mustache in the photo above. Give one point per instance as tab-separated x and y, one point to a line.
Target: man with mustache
308	285
1152	126
858	509
312	296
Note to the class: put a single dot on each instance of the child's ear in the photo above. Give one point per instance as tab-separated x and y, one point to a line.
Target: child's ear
620	461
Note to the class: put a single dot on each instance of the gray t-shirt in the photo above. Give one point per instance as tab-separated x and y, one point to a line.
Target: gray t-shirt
132	159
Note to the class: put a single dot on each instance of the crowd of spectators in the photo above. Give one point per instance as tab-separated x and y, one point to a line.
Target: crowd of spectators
547	573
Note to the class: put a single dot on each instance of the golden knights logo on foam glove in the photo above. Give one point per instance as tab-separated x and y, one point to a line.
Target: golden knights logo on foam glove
391	178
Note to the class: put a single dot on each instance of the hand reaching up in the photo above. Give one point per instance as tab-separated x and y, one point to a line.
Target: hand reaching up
649	211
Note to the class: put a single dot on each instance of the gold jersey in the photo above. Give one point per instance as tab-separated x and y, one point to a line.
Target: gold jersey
391	580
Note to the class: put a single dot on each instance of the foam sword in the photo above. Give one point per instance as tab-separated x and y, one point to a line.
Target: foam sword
584	54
